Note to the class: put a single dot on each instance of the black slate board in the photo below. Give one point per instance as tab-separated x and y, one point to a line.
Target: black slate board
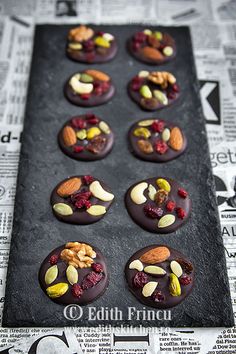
42	165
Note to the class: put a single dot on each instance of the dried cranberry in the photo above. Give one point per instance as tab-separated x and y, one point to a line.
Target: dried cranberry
170	205
161	147
80	195
97	267
76	290
91	279
171	95
54	259
158	126
78	148
136	46
98	91
182	193
136	83
140	279
89	116
152	211
83	203
85	96
180	213
93	121
105	86
140	37
175	88
78	123
185	280
99	33
158	296
88	45
88	179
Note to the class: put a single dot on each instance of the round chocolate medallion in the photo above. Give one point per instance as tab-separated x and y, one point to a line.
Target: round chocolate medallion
74	273
86	138
156	140
89	88
159	276
154	90
88	46
152	47
81	200
158	204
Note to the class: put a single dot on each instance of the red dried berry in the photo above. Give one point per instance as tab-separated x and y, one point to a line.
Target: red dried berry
136	46
136	83
140	279
158	126
76	290
152	211
100	33
170	206
89	116
91	279
175	88
78	148
88	179
158	296
93	121
140	37
161	147
182	193
85	96
171	95
83	203
88	45
54	259
78	123
98	91
180	213
185	280
80	195
105	86
97	267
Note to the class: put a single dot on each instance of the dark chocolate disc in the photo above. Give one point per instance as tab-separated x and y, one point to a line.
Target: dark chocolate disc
84	45
89	88
86	138
159	276
152	47
158	204
156	140
154	90
75	273
81	200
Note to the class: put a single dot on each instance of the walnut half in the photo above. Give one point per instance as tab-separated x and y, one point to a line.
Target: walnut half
80	255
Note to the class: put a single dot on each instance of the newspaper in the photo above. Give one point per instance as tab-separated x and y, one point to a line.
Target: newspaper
215	55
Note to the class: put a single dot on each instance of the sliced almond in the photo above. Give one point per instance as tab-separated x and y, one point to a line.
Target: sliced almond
137	195
51	274
72	275
149	288
99	192
155	270
176	268
136	264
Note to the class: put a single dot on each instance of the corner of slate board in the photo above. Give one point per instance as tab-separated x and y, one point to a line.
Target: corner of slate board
42	165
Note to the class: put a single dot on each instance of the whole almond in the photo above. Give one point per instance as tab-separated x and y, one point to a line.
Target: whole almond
98	75
69	136
151	53
155	255
176	139
69	187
